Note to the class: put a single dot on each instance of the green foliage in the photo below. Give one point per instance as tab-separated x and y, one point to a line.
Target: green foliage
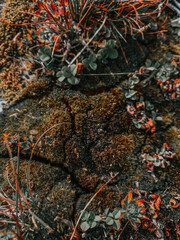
108	51
69	74
90	62
131	210
165	72
151	65
131	94
160	158
112	219
149	106
137	123
89	220
63	29
44	54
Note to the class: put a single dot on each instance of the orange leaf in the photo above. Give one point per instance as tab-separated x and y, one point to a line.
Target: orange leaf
173	95
166	146
29	36
155	216
139	202
6	135
157	203
177	80
129	196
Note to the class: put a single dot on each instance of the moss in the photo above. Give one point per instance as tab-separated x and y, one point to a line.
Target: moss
121	146
80	121
12	47
104	105
172	137
86	179
108	197
51	187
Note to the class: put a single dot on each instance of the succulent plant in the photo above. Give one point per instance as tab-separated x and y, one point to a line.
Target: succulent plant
133	209
89	220
108	50
68	73
44	54
165	72
90	62
112	218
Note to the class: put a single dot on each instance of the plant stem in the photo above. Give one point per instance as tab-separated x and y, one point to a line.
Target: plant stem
89	204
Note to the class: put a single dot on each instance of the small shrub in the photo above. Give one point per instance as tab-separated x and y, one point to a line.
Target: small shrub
81	32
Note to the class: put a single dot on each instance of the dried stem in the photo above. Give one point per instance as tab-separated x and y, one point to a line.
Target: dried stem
32	152
89	204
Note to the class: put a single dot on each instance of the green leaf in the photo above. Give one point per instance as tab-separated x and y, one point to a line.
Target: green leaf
110	215
149	158
149	106
156	65
105	61
111	43
106	211
138	125
85	216
92	57
109	221
59	74
73	69
85	62
148	63
113	54
25	145
135	121
159	118
93	66
133	223
117	213
116	225
84	226
97	218
44	58
130	93
92	216
44	54
73	80
61	79
162	151
92	224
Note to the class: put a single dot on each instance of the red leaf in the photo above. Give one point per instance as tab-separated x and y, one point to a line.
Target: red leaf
53	6
38	12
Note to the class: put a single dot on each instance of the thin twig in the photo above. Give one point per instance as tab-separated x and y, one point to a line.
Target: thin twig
108	74
123	229
89	204
32	152
41	221
17	185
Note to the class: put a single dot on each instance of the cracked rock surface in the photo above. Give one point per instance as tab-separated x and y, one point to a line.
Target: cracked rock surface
96	139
